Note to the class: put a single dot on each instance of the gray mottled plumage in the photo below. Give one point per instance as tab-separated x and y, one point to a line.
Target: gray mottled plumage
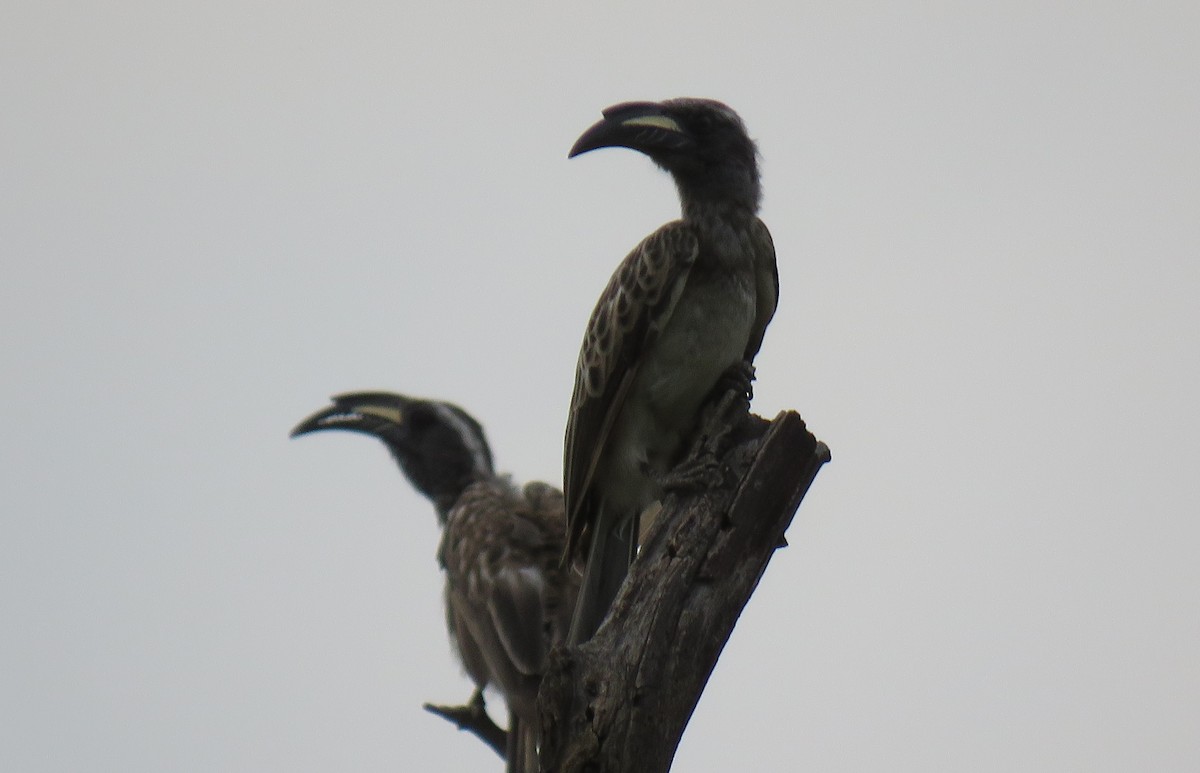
687	306
504	592
507	599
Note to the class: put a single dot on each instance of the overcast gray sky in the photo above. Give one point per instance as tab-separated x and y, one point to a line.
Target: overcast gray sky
214	215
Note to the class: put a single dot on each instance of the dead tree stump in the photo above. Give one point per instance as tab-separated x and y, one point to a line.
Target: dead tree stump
620	702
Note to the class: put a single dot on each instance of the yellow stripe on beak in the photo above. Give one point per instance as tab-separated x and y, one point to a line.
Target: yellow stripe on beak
655	121
391	414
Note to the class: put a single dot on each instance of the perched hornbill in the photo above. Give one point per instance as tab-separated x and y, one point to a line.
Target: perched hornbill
683	316
507	601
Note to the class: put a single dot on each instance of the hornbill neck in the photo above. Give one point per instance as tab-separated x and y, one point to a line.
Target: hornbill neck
729	193
709	212
445	502
438	469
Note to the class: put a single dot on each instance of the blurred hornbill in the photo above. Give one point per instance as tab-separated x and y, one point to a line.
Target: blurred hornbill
679	322
507	600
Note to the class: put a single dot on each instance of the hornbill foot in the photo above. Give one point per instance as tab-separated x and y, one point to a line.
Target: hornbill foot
694	475
737	378
716	423
721	415
474	717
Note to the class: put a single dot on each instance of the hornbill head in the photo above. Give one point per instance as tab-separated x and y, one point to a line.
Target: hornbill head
440	447
701	142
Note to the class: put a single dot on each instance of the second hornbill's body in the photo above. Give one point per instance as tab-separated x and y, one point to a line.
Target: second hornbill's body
684	313
507	601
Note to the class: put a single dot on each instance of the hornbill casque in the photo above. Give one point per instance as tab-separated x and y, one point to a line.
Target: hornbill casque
507	599
679	322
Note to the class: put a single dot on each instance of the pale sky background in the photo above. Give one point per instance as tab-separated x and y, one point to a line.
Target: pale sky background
214	215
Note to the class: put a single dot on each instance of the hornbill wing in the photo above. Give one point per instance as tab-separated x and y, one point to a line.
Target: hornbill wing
500	552
634	307
766	274
530	600
515	602
464	642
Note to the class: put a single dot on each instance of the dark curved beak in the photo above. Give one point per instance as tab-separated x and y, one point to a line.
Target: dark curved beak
371	413
646	127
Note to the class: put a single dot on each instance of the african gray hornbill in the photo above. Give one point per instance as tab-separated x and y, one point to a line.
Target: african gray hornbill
507	599
681	320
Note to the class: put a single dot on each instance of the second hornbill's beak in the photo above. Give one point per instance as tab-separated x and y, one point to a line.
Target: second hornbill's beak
372	413
643	126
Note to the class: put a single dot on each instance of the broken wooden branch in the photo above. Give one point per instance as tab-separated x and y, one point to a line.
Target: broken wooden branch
619	703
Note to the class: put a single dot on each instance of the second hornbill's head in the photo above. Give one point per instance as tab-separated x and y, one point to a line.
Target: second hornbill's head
440	447
701	142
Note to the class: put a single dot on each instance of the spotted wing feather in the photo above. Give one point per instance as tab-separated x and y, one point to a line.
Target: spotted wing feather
500	551
633	308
